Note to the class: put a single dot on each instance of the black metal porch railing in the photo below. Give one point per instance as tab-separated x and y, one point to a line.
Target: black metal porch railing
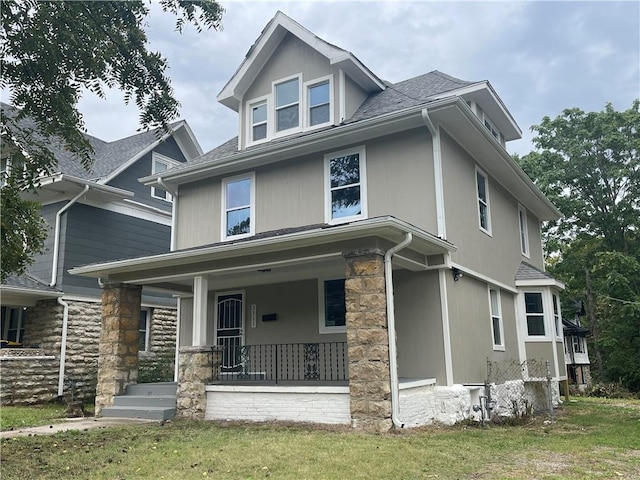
290	362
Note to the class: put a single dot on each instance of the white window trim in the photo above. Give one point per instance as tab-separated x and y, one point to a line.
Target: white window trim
547	307
523	230
557	319
307	107
322	327
274	128
249	123
488	201
496	346
169	163
360	150
252	205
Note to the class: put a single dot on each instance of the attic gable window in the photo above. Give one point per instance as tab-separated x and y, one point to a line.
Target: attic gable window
238	206
491	127
345	186
524	231
259	121
318	101
287	103
159	164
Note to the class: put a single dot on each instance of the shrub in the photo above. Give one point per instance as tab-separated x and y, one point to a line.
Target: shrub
157	367
608	390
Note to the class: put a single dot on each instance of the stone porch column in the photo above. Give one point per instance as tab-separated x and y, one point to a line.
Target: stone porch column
197	367
118	348
368	341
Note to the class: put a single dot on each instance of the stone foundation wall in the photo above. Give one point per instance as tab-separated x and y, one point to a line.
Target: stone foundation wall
28	380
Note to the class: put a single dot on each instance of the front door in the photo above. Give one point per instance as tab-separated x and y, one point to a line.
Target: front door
229	329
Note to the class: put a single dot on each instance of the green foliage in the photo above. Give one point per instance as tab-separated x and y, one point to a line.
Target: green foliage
52	52
608	390
156	368
588	164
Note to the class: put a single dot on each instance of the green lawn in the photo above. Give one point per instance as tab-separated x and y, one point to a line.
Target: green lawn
12	418
592	439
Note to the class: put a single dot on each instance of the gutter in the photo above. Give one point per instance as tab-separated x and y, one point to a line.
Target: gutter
437	173
174	207
63	345
56	235
391	326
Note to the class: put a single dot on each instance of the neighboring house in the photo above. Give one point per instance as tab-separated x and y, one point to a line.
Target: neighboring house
576	354
358	254
93	215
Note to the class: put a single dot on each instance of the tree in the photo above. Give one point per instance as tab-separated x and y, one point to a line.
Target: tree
54	51
588	164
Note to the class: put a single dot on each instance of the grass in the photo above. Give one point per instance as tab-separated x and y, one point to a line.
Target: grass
14	417
591	439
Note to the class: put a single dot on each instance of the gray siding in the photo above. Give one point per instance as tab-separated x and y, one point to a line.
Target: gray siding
128	179
95	235
43	263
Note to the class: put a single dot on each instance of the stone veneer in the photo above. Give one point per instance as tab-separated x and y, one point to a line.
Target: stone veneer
35	380
367	341
197	368
118	348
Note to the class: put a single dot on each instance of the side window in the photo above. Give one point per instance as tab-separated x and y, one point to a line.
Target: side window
333	310
535	314
287	104
524	231
4	170
482	190
497	328
144	327
238	209
13	319
345	186
557	322
159	164
491	127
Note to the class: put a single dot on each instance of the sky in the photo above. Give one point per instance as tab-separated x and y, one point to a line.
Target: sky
540	57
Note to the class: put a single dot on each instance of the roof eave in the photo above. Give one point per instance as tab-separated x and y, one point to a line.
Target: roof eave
541	282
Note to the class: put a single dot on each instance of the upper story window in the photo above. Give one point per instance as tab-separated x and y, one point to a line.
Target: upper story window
287	103
578	344
535	314
524	231
557	322
318	102
491	127
482	191
159	164
259	121
345	186
4	170
333	310
497	328
238	208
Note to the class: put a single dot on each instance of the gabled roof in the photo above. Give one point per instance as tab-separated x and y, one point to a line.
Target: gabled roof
111	158
25	290
260	52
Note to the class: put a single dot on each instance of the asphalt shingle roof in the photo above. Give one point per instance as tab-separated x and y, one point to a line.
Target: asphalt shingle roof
28	282
527	271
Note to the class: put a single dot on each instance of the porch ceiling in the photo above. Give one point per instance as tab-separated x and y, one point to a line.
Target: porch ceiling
311	253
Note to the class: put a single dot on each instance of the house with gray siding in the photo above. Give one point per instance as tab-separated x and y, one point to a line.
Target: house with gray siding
53	319
361	253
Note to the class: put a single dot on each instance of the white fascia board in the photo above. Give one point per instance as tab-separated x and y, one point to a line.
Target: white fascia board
371	227
61	178
7	289
184	130
133	209
541	282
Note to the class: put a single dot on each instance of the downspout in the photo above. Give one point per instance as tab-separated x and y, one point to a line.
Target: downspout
63	345
391	328
56	235
437	173
174	206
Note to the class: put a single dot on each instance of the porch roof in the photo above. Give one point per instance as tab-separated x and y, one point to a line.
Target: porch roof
286	255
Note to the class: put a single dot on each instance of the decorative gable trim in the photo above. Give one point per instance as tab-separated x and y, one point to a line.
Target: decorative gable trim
258	55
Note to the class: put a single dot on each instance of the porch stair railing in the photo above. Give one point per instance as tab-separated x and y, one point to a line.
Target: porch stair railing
289	362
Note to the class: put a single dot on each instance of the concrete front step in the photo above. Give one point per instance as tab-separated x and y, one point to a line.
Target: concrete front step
149	413
152	401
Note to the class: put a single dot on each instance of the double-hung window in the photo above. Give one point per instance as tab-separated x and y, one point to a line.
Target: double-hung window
318	103
497	328
159	164
144	330
535	314
482	190
238	209
13	319
556	315
524	231
287	104
333	310
345	186
259	121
